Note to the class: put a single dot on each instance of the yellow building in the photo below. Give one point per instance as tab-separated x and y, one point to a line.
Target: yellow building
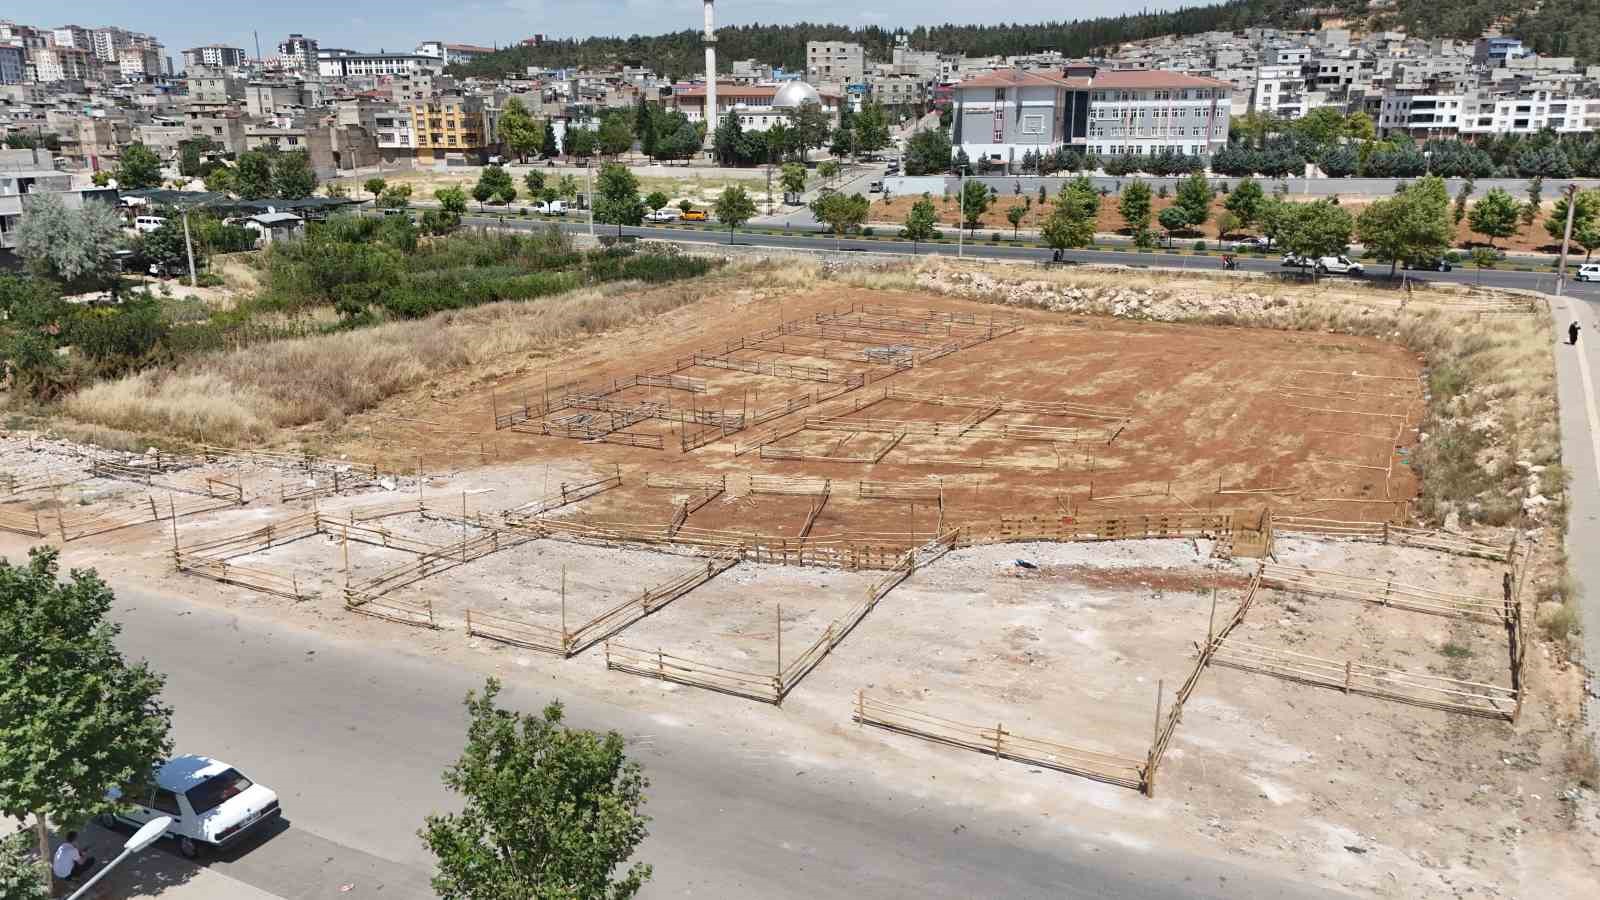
450	128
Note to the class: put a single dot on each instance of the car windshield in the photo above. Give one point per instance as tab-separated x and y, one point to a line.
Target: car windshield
216	790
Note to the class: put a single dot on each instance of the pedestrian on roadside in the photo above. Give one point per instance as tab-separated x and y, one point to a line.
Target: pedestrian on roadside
69	861
1572	334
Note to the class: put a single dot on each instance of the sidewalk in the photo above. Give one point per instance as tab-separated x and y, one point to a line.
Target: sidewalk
157	872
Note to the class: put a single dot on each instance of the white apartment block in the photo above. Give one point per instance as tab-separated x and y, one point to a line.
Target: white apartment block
1422	115
343	64
136	64
1148	112
214	56
64	64
1531	113
1001	116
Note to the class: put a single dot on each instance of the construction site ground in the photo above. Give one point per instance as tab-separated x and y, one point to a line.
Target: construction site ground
1065	642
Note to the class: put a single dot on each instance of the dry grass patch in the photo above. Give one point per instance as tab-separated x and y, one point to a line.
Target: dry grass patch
251	393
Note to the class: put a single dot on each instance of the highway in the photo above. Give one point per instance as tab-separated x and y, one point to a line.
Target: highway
983	249
353	737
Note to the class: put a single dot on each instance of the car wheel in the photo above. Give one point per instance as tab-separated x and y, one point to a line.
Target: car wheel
188	847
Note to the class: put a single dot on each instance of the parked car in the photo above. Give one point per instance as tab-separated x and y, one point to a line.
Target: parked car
147	224
211	803
1589	272
552	208
1428	264
875	187
665	214
695	215
1332	265
1255	243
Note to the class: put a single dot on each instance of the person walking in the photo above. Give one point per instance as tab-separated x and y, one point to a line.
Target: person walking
1572	334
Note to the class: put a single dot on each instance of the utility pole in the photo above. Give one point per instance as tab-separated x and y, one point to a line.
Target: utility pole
961	211
1566	239
588	188
188	247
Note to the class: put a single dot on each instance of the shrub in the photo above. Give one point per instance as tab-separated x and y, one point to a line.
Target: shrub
1200	246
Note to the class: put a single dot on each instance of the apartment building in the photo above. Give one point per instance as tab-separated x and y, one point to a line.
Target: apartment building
452	54
213	87
13	63
65	63
299	52
136	64
450	128
1153	111
335	63
213	56
1422	116
834	62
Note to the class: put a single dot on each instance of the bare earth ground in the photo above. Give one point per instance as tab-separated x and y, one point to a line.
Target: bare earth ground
1370	796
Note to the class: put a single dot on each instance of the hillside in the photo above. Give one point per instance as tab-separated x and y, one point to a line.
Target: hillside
1553	27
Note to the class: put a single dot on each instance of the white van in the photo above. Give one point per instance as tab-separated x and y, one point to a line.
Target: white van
147	224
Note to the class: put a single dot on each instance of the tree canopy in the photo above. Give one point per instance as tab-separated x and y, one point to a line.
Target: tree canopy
1072	219
1495	216
920	224
733	208
1413	225
139	168
519	132
616	199
69	245
76	719
548	812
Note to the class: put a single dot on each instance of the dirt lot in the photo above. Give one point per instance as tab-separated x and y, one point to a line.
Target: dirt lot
1352	792
1252	408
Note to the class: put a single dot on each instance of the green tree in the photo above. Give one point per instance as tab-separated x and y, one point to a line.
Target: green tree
292	176
1412	225
253	175
871	129
1194	199
616	134
840	213
548	812
20	878
534	182
1245	201
928	152
76	720
655	201
494	182
1320	129
617	197
452	200
70	245
548	147
139	168
101	178
1071	222
733	208
975	200
792	178
375	186
191	155
567	187
1358	126
1495	216
1227	223
1134	206
395	196
518	131
1015	215
1172	219
810	126
920	223
1530	211
579	142
1314	230
828	169
1459	212
644	125
1585	221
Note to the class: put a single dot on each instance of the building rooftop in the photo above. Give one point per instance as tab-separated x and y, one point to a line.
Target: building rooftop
1135	79
1003	78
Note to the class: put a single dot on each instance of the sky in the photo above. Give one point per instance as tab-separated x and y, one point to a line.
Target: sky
391	25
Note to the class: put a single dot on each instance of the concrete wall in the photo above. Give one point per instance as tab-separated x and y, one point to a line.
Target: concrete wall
1313	187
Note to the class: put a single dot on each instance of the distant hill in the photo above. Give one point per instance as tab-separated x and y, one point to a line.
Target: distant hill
1553	27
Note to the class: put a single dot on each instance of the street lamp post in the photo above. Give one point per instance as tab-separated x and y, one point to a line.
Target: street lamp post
1566	239
144	837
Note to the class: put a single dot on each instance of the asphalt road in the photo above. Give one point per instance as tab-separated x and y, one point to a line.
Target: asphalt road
984	250
354	738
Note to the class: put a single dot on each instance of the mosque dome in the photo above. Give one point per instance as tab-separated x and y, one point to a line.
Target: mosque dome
794	93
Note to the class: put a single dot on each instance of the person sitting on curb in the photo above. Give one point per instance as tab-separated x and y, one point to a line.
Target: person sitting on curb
69	862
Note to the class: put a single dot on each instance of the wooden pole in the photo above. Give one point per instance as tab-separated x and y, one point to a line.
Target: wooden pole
1160	686
780	641
1212	622
563	602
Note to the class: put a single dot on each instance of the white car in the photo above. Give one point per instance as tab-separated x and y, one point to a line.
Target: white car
1589	272
211	803
665	214
1255	243
147	224
1333	265
553	208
